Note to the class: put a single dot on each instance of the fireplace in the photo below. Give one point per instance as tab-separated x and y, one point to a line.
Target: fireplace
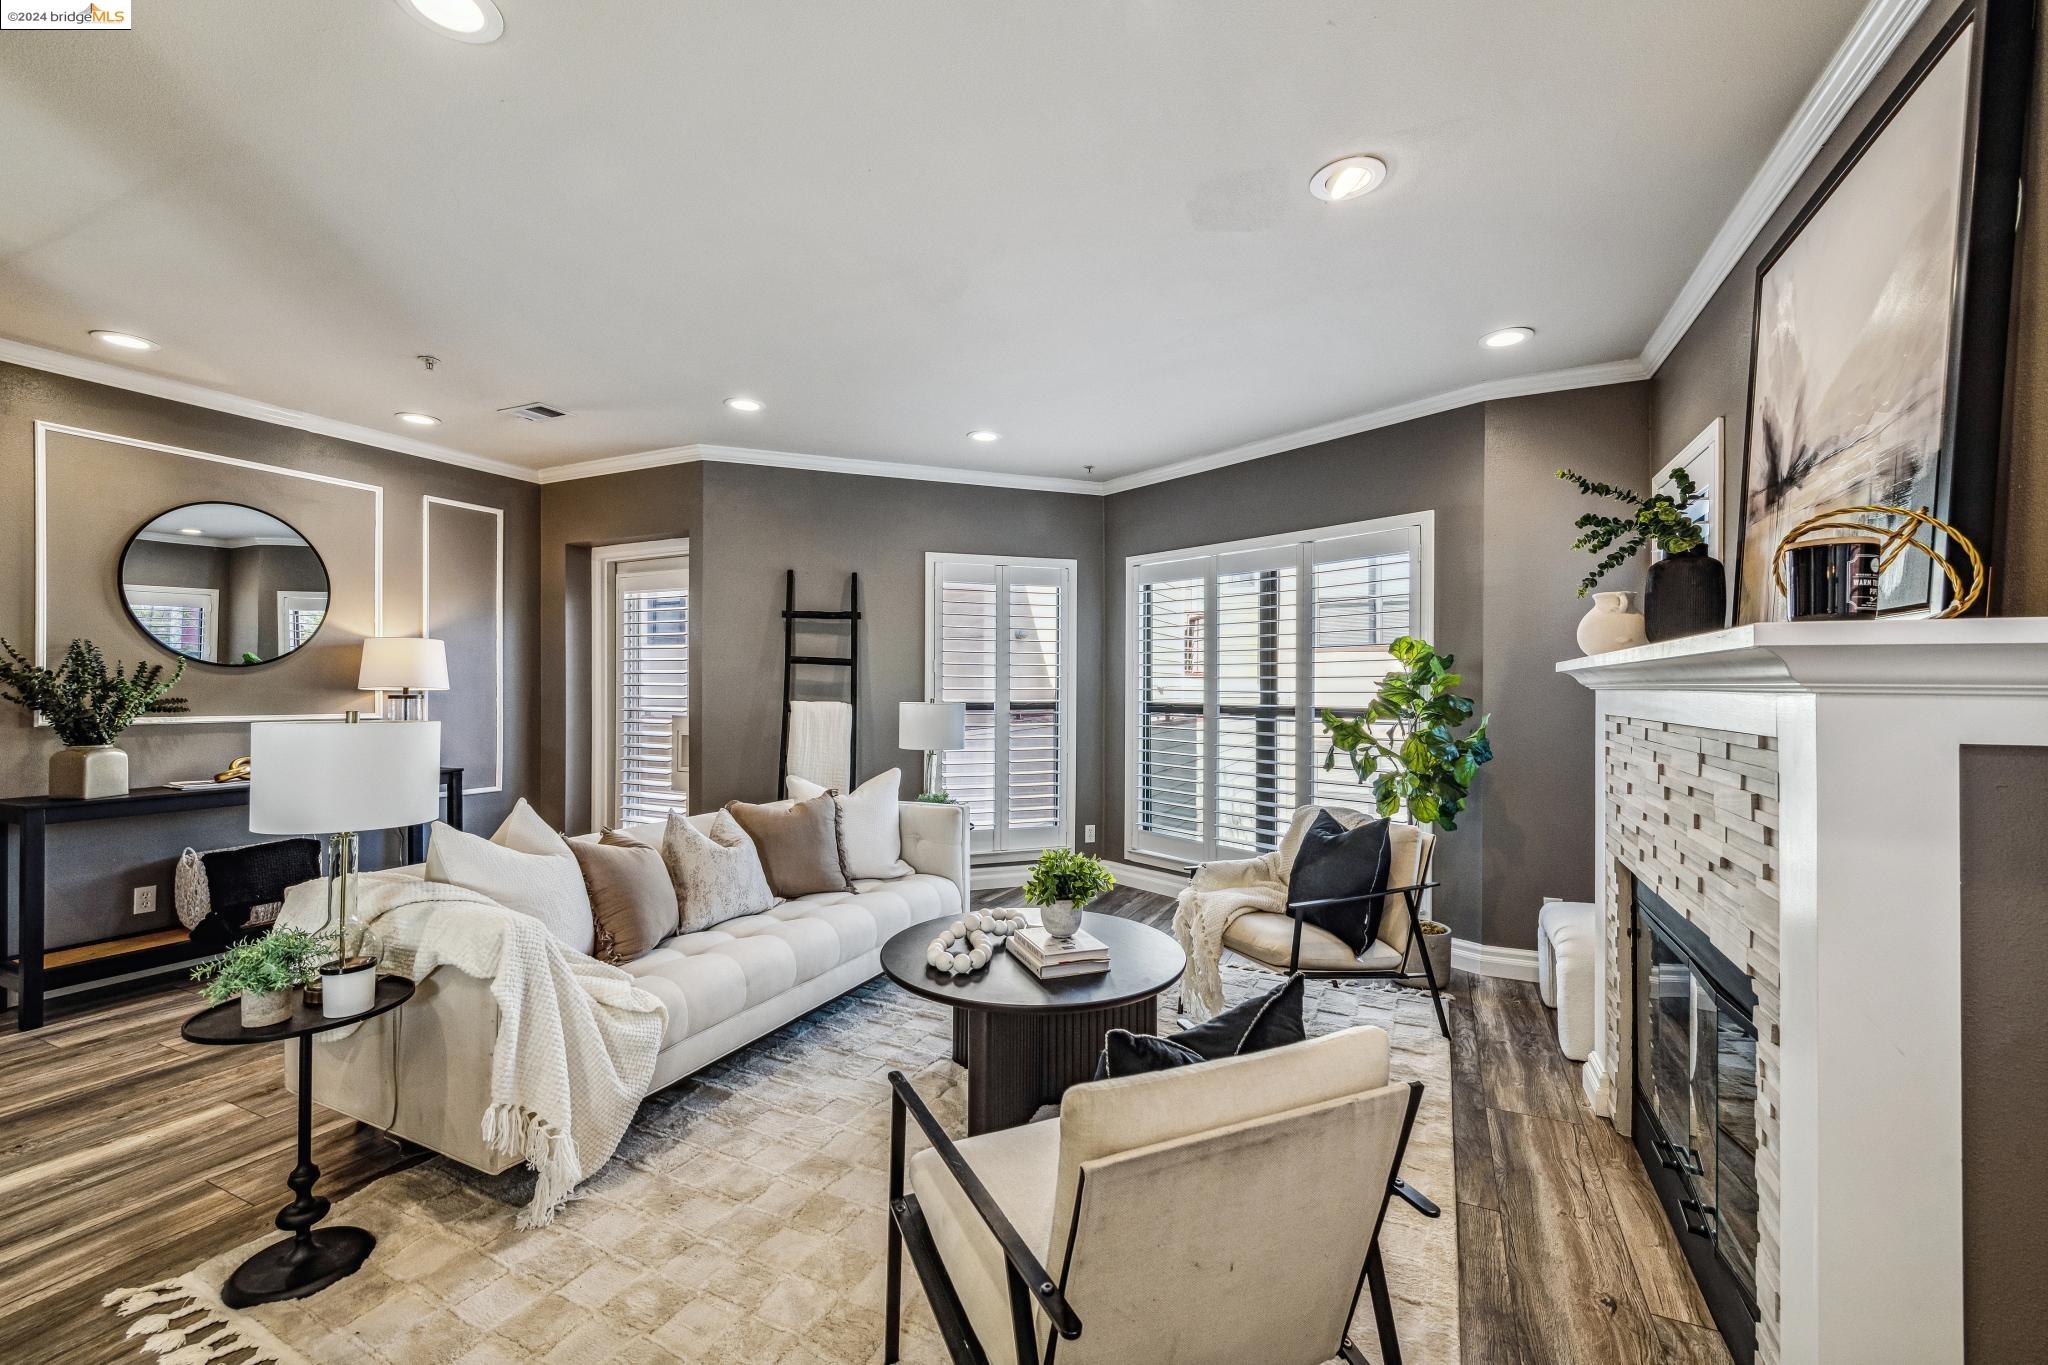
1695	1123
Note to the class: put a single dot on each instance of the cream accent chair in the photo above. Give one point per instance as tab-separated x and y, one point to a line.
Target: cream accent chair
1288	944
1216	1214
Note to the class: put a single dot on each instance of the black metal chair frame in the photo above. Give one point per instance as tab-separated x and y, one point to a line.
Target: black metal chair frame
1031	1283
1411	897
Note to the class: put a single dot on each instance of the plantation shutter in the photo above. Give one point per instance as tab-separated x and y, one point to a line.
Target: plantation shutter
180	619
1361	591
1173	703
1002	645
1254	631
651	641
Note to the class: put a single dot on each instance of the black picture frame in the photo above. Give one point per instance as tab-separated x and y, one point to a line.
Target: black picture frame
1971	464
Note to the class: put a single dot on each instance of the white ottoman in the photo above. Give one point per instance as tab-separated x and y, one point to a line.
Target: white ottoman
1567	954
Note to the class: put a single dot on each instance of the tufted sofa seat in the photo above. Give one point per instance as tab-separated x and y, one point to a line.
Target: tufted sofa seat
423	1071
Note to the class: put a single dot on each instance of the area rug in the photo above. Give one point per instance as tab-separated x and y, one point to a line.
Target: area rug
740	1223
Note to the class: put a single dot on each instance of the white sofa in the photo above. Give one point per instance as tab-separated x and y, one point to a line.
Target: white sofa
423	1072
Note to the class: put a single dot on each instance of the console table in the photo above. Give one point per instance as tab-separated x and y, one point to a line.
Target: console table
30	971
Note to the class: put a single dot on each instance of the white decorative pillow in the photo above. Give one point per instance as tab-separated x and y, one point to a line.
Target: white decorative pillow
718	875
518	870
870	832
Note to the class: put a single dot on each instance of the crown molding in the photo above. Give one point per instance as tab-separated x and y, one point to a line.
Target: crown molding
1848	74
198	396
1549	381
824	464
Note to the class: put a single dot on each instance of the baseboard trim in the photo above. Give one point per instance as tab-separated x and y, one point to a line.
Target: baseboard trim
1484	959
1593	1079
994	876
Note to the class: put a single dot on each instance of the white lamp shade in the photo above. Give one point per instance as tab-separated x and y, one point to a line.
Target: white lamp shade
933	726
392	663
324	777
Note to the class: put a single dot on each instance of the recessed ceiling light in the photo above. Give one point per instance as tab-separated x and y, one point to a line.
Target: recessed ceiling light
744	404
1507	336
984	436
190	531
469	21
1348	178
418	419
125	340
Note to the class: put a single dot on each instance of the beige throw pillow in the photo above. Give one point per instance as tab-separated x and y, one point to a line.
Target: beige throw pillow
798	842
870	829
632	899
718	875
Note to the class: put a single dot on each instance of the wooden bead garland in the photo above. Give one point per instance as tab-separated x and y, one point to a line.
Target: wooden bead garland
999	922
947	955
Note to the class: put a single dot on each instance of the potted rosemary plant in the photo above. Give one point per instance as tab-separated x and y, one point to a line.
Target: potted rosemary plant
88	707
263	972
1061	884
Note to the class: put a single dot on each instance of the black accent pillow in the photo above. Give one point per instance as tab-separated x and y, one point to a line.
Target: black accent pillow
1266	1021
1334	861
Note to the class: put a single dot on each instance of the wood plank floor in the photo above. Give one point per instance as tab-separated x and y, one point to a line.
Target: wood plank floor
127	1155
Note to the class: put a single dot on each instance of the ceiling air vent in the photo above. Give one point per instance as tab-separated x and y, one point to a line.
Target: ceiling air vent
533	412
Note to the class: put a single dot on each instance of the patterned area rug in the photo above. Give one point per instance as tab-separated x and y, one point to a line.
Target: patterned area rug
741	1222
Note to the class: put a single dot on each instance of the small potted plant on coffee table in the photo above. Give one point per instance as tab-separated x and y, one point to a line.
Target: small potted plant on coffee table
1061	884
264	972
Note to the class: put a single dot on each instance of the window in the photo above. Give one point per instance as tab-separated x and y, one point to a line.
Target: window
298	615
184	620
1233	652
999	636
641	684
1701	460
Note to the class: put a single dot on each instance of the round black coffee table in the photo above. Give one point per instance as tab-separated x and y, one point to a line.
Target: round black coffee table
307	1261
1024	1041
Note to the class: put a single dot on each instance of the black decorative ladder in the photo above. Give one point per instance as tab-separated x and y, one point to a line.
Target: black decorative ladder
791	660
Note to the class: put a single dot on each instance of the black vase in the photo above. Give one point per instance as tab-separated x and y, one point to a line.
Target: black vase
1684	594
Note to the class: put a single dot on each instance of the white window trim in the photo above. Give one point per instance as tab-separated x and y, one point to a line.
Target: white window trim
209	644
1702	455
287	603
603	559
1421	622
1069	681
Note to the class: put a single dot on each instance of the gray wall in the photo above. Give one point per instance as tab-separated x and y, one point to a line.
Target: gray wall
1437	463
94	867
1707	374
1539	796
2005	1060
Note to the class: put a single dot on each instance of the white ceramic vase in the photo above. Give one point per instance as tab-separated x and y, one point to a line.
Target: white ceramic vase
1611	624
89	771
1062	919
262	1009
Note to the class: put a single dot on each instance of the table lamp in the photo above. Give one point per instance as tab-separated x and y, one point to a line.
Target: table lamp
335	778
404	668
935	727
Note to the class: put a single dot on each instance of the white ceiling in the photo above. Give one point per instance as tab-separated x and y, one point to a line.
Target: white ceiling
1082	223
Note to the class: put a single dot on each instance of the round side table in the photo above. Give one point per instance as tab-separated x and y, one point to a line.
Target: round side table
307	1261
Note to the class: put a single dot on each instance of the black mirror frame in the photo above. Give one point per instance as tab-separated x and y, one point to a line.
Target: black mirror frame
120	586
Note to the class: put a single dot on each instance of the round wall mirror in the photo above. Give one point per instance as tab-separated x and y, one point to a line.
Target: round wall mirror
224	584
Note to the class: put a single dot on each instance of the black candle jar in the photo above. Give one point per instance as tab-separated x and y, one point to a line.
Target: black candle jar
1832	580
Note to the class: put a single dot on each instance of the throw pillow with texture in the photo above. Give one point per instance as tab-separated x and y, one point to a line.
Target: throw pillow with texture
717	876
798	842
632	900
1255	1025
546	885
870	832
1334	861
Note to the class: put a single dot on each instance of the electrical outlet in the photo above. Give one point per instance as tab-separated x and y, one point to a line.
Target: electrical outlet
1087	834
145	900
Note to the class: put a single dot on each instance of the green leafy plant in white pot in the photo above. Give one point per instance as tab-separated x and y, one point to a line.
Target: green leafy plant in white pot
1061	884
264	972
88	707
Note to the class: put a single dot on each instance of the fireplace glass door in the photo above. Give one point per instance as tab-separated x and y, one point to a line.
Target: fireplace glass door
1696	1083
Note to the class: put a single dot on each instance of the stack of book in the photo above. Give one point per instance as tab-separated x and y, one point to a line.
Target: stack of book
1050	957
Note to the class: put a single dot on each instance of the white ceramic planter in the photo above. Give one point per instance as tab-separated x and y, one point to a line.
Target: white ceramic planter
1611	624
89	771
263	1009
1062	919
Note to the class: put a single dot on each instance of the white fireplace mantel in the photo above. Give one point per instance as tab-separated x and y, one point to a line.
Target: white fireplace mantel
1868	721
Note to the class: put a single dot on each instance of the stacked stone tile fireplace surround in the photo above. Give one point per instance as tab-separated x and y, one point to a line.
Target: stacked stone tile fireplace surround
1792	791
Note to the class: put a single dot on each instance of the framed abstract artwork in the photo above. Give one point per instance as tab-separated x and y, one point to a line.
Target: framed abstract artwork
1877	364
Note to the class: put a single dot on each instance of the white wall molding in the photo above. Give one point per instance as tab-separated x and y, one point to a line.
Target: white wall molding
1855	64
199	396
427	505
1485	959
824	464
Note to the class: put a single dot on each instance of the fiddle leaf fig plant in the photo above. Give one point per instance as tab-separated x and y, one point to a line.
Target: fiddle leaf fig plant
1658	520
1407	743
84	703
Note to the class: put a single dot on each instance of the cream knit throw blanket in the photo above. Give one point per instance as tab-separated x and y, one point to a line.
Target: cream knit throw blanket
576	1040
